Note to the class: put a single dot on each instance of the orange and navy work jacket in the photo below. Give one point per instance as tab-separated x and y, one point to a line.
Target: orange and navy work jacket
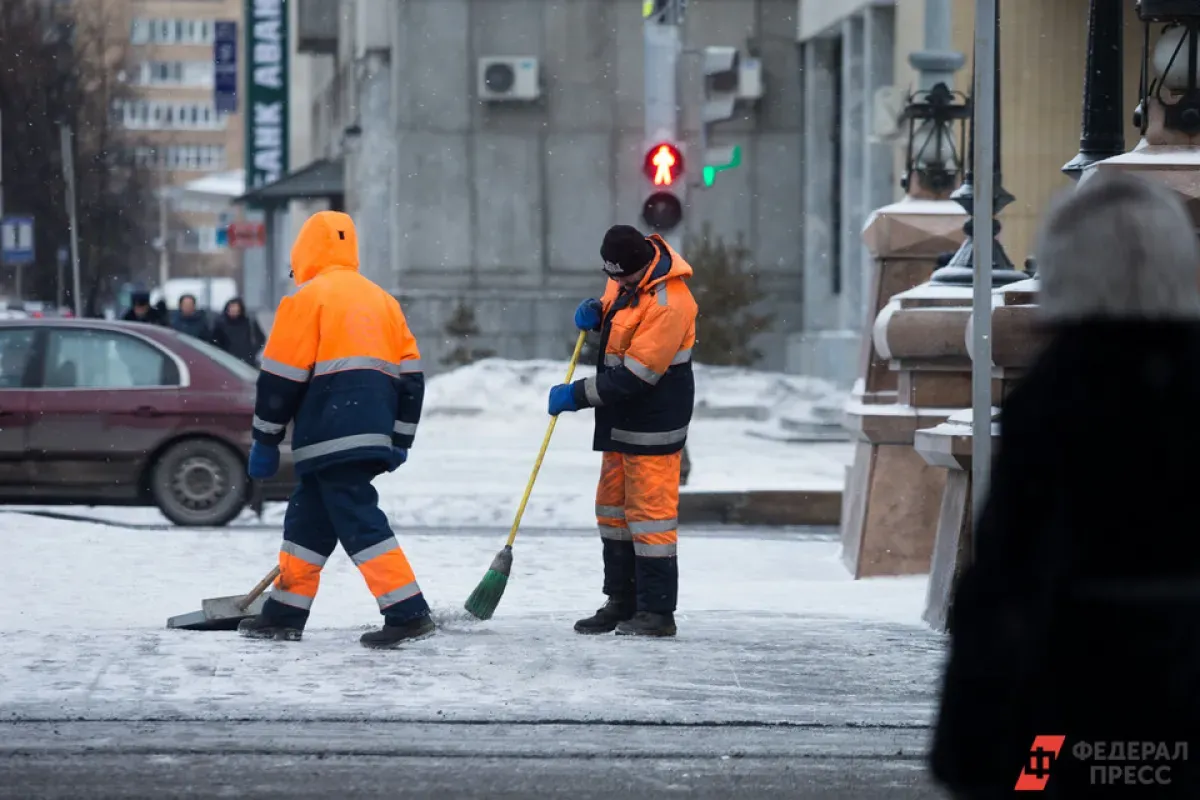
340	364
644	390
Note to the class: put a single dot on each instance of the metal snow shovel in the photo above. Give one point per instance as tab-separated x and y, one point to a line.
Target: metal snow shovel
224	613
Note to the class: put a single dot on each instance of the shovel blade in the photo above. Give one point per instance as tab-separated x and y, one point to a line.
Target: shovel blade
218	614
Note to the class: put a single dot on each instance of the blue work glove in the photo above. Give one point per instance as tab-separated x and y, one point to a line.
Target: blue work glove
399	456
264	461
562	399
587	316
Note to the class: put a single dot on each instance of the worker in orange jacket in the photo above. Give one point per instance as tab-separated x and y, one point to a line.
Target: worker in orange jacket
643	393
342	367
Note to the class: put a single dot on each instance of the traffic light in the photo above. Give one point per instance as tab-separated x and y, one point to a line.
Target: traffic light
663	166
722	78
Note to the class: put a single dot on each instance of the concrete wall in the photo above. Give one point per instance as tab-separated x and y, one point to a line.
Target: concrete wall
503	205
849	172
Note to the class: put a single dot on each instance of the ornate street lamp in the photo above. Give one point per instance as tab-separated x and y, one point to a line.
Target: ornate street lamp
960	270
933	162
1102	132
1175	61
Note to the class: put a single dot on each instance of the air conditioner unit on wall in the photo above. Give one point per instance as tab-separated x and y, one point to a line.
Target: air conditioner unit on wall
750	79
508	78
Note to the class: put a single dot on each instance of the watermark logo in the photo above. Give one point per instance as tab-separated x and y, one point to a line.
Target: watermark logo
1130	763
1042	755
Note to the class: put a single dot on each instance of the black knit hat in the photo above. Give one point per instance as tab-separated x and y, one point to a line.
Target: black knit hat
625	251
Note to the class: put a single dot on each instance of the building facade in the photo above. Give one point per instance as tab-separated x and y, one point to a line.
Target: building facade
179	132
500	206
856	74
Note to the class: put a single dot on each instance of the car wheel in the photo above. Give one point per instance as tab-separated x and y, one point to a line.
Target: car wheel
199	483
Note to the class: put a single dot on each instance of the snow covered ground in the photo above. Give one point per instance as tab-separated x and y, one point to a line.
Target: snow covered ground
483	425
771	629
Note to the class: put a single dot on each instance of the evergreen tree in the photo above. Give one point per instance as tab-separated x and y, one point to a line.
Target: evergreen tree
726	289
462	329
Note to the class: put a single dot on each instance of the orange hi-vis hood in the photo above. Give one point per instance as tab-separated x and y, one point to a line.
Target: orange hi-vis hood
327	241
664	269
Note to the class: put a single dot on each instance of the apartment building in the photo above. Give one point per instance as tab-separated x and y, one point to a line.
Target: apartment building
177	129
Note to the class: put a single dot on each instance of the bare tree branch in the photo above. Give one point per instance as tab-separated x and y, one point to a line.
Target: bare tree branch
63	66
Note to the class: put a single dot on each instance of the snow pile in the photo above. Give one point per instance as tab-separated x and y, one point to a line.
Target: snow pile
510	388
495	386
740	392
483	424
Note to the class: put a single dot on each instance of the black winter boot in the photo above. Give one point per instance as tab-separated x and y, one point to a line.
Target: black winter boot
648	623
395	634
606	617
259	627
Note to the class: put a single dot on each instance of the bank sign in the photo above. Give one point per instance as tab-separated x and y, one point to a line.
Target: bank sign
266	107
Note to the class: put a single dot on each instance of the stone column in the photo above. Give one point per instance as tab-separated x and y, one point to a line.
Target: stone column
820	201
853	131
889	494
892	496
369	169
948	445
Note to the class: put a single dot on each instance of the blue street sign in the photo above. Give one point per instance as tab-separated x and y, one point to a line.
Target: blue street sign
16	240
225	68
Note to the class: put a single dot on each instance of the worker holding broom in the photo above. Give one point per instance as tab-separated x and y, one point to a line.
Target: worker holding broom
643	393
343	368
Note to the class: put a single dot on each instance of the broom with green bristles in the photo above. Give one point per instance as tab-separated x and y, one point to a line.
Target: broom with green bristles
483	601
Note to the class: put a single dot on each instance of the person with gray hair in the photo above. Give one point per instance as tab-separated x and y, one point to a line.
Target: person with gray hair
1079	616
1118	247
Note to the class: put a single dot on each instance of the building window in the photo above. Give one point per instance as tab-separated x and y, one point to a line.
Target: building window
184	157
150	30
176	73
159	115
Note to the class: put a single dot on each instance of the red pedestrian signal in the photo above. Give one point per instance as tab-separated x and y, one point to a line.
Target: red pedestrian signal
663	164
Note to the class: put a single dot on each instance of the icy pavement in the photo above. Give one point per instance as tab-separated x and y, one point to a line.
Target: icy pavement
466	762
771	630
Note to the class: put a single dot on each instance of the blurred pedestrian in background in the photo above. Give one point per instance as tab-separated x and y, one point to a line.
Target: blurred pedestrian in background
1080	614
187	319
237	334
140	309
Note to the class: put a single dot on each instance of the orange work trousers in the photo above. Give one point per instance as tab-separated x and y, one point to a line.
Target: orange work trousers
637	509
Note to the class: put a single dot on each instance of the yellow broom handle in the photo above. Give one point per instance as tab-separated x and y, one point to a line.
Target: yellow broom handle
512	535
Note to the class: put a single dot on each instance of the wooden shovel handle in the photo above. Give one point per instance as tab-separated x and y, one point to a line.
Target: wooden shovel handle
245	602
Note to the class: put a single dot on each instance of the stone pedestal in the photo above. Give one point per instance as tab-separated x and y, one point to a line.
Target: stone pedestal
892	495
1169	156
1177	167
947	446
905	239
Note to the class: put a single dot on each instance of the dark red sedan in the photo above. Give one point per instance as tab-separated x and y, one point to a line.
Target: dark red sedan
122	413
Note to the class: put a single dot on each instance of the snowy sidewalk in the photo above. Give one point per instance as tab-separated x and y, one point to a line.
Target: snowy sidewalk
770	631
483	425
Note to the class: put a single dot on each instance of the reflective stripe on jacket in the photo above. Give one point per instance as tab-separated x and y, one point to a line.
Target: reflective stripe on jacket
340	363
644	390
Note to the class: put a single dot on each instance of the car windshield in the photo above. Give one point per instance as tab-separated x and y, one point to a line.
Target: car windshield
231	363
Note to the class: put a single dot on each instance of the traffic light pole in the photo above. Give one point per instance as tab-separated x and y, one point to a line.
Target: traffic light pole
663	21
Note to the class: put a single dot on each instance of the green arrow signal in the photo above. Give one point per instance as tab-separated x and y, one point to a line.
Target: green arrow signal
710	170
